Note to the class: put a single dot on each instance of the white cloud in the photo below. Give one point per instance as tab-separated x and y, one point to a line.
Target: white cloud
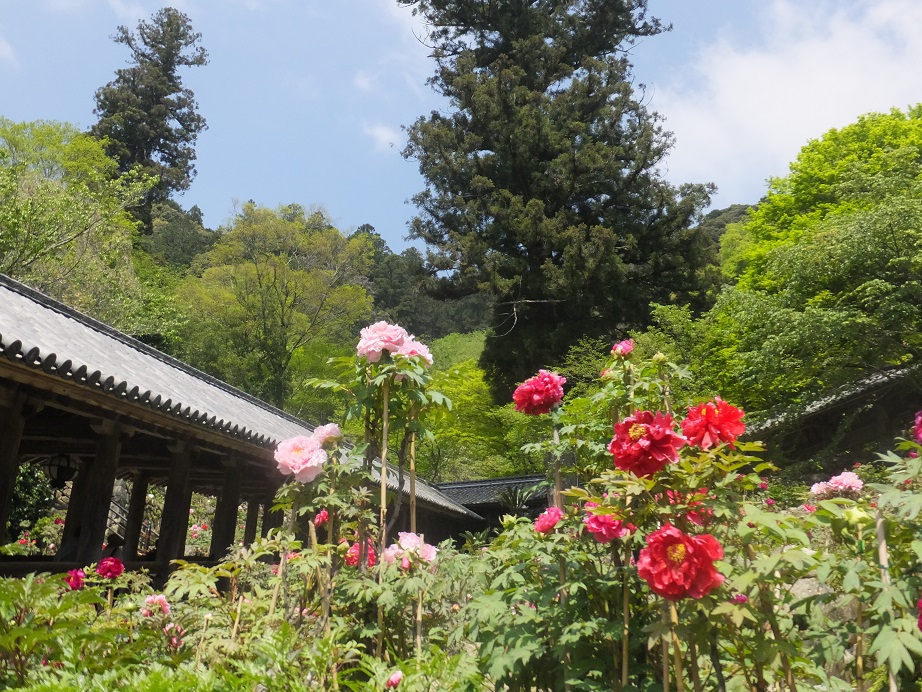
384	137
8	57
363	81
750	103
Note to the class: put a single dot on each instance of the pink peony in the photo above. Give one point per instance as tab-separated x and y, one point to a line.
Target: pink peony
539	394
809	508
394	680
548	520
623	348
110	567
327	434
322	518
75	579
302	457
645	442
605	528
846	484
155	601
412	347
409	545
379	338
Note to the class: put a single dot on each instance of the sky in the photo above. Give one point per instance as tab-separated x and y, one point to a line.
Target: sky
305	100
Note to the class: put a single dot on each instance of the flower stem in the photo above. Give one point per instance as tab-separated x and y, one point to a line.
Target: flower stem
676	648
626	607
664	654
382	529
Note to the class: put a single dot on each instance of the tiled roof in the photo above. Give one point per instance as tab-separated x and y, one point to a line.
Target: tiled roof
43	334
486	491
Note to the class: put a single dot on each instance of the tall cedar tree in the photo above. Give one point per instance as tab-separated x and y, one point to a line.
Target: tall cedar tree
543	183
146	115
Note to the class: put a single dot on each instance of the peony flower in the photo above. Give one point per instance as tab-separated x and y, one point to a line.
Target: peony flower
352	555
110	567
846	484
676	565
539	394
158	600
394	680
409	545
322	518
605	528
698	513
548	520
917	430
302	457
713	422
809	508
623	348
75	579
740	598
412	347
645	442
325	435
769	501
58	521
919	608
379	338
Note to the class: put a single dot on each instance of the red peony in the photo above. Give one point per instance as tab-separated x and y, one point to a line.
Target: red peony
713	422
352	555
539	394
321	518
110	567
676	565
548	520
645	442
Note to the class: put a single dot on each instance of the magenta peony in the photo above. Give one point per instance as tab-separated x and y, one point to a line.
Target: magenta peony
75	579
645	442
301	457
676	565
713	422
380	338
110	567
321	518
917	430
548	520
623	348
539	394
919	609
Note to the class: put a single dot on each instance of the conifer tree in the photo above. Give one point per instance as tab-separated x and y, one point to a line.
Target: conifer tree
146	115
543	177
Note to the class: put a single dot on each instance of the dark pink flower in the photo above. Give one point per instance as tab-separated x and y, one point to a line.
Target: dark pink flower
539	394
917	430
919	608
809	508
676	565
75	579
548	520
322	518
623	348
605	528
770	502
110	567
713	422
394	680
645	442
353	554
740	598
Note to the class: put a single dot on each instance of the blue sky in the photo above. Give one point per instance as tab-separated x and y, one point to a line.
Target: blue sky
305	100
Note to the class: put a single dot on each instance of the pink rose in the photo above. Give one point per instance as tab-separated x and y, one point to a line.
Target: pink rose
379	338
548	520
302	457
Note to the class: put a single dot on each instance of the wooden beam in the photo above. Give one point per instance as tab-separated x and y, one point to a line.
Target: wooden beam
100	482
225	515
252	522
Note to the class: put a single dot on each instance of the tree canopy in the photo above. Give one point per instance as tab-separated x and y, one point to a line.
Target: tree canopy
542	181
147	118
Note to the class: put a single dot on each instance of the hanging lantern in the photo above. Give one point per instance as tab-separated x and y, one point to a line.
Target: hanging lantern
60	468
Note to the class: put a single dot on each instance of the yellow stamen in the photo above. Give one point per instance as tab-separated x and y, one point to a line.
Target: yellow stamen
676	553
637	431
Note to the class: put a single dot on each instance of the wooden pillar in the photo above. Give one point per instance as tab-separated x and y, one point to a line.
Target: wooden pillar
252	523
79	494
136	506
12	421
175	520
100	482
225	514
271	520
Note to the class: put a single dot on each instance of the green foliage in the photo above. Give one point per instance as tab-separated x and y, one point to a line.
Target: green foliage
178	236
32	498
63	225
543	182
147	118
274	282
